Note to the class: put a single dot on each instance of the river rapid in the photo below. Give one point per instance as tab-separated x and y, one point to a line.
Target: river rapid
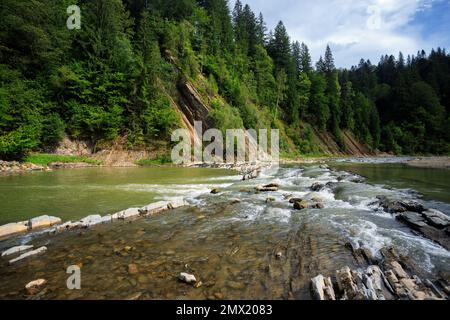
239	244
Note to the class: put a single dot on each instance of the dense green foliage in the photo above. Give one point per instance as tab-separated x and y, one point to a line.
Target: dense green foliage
118	74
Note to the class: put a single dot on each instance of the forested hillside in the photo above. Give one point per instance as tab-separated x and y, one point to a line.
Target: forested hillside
117	76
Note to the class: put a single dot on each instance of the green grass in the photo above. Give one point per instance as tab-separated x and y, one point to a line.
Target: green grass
163	160
44	159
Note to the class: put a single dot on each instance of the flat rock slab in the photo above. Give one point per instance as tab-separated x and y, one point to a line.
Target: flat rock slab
43	222
11	229
15	250
28	254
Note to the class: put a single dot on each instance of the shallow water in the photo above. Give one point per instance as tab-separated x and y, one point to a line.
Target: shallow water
230	247
76	193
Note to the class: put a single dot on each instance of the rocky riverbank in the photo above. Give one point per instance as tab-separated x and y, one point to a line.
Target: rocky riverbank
18	167
382	279
430	162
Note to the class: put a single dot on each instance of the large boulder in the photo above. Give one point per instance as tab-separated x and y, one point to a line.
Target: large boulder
43	222
10	229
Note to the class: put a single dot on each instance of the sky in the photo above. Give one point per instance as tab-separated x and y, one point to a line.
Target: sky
360	29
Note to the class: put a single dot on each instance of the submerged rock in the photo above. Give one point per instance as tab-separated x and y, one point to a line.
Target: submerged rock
316	187
187	278
133	269
270	199
17	249
35	286
215	191
28	254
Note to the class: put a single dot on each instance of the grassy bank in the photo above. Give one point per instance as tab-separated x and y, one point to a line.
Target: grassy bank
44	159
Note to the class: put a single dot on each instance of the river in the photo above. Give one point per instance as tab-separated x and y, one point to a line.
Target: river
230	246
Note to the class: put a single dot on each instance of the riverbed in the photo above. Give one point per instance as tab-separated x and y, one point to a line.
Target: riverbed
239	244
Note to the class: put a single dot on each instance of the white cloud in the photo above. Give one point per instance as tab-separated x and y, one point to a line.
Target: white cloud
354	29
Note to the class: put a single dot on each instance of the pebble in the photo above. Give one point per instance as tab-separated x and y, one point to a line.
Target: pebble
186	277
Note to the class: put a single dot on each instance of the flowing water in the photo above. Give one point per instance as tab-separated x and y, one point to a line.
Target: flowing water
230	246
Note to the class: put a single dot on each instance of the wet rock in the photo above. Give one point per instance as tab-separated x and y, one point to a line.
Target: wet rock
235	285
35	286
318	206
436	218
11	229
294	200
162	206
267	188
301	205
15	250
187	278
235	201
270	199
127	214
316	187
413	219
251	173
399	206
133	269
279	255
419	223
43	222
215	191
373	280
68	226
134	297
218	296
347	284
28	254
90	221
322	288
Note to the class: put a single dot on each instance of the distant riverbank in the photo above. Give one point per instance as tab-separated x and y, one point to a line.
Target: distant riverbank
430	162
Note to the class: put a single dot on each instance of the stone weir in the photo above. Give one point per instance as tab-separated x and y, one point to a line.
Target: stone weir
53	225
